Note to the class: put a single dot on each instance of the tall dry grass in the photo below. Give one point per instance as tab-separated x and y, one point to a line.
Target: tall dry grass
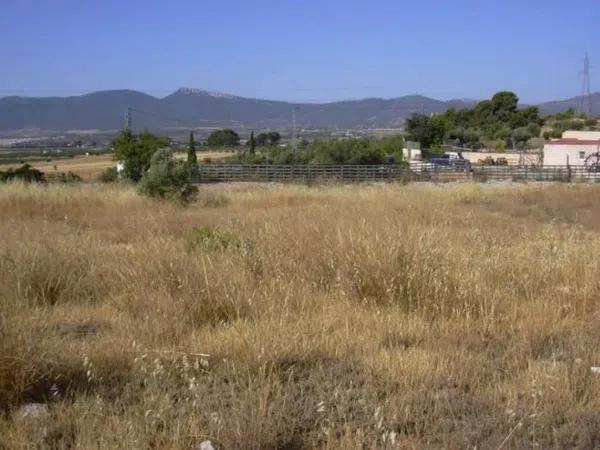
340	317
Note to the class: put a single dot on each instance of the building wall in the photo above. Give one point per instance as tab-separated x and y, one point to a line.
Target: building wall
584	135
513	159
412	154
561	154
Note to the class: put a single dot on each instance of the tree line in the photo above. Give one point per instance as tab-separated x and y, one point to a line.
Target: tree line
329	151
229	138
497	123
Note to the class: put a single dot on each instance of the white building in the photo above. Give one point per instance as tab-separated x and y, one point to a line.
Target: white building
412	151
572	149
585	135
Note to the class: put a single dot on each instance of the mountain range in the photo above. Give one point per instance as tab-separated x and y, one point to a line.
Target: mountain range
105	110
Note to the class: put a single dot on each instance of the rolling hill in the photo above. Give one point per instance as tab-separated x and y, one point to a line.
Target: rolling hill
574	102
187	107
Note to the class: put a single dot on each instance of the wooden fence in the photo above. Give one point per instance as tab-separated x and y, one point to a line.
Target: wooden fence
212	173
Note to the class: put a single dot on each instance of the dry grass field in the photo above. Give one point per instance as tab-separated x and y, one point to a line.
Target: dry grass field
288	317
90	167
87	167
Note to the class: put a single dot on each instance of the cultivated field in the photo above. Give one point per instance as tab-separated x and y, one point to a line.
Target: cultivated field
339	317
89	167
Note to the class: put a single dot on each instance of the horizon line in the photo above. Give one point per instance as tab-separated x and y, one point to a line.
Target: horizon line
167	93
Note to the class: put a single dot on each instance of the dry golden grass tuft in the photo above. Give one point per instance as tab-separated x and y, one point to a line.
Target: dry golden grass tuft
289	317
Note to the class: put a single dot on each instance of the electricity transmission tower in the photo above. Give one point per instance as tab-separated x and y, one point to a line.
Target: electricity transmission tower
585	106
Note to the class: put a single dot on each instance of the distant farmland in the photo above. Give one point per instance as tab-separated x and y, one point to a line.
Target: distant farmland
90	167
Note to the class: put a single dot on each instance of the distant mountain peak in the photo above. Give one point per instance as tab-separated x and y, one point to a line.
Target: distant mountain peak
194	91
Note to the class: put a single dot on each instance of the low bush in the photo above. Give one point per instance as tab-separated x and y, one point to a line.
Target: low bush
64	177
211	239
168	178
24	173
109	175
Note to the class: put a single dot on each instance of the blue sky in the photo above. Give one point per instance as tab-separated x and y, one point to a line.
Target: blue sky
300	50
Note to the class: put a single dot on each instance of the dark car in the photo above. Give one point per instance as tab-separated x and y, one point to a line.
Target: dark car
451	162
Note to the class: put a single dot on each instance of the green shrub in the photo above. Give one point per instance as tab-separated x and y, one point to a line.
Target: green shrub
331	151
576	125
24	173
168	178
211	239
499	146
109	175
64	177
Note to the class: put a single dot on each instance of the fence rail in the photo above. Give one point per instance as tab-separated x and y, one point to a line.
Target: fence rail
212	173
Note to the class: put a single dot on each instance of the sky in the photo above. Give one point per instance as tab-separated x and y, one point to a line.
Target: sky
306	50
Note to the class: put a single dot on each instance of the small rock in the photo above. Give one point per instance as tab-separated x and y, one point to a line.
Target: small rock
595	369
32	410
205	445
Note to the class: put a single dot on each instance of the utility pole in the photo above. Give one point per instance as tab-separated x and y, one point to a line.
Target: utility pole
585	106
294	136
128	119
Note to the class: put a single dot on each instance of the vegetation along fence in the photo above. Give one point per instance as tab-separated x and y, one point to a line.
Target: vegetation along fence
211	173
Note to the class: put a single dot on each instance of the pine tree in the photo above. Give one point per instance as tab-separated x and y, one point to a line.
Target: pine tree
191	157
252	143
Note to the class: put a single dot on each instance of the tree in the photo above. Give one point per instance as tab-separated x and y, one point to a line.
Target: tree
192	159
488	121
223	138
135	151
25	173
504	103
271	138
167	178
521	136
472	138
429	131
252	143
274	138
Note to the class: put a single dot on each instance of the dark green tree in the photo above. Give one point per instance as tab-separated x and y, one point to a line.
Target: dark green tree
135	152
223	138
192	159
274	138
252	143
504	104
488	121
429	131
25	173
270	138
